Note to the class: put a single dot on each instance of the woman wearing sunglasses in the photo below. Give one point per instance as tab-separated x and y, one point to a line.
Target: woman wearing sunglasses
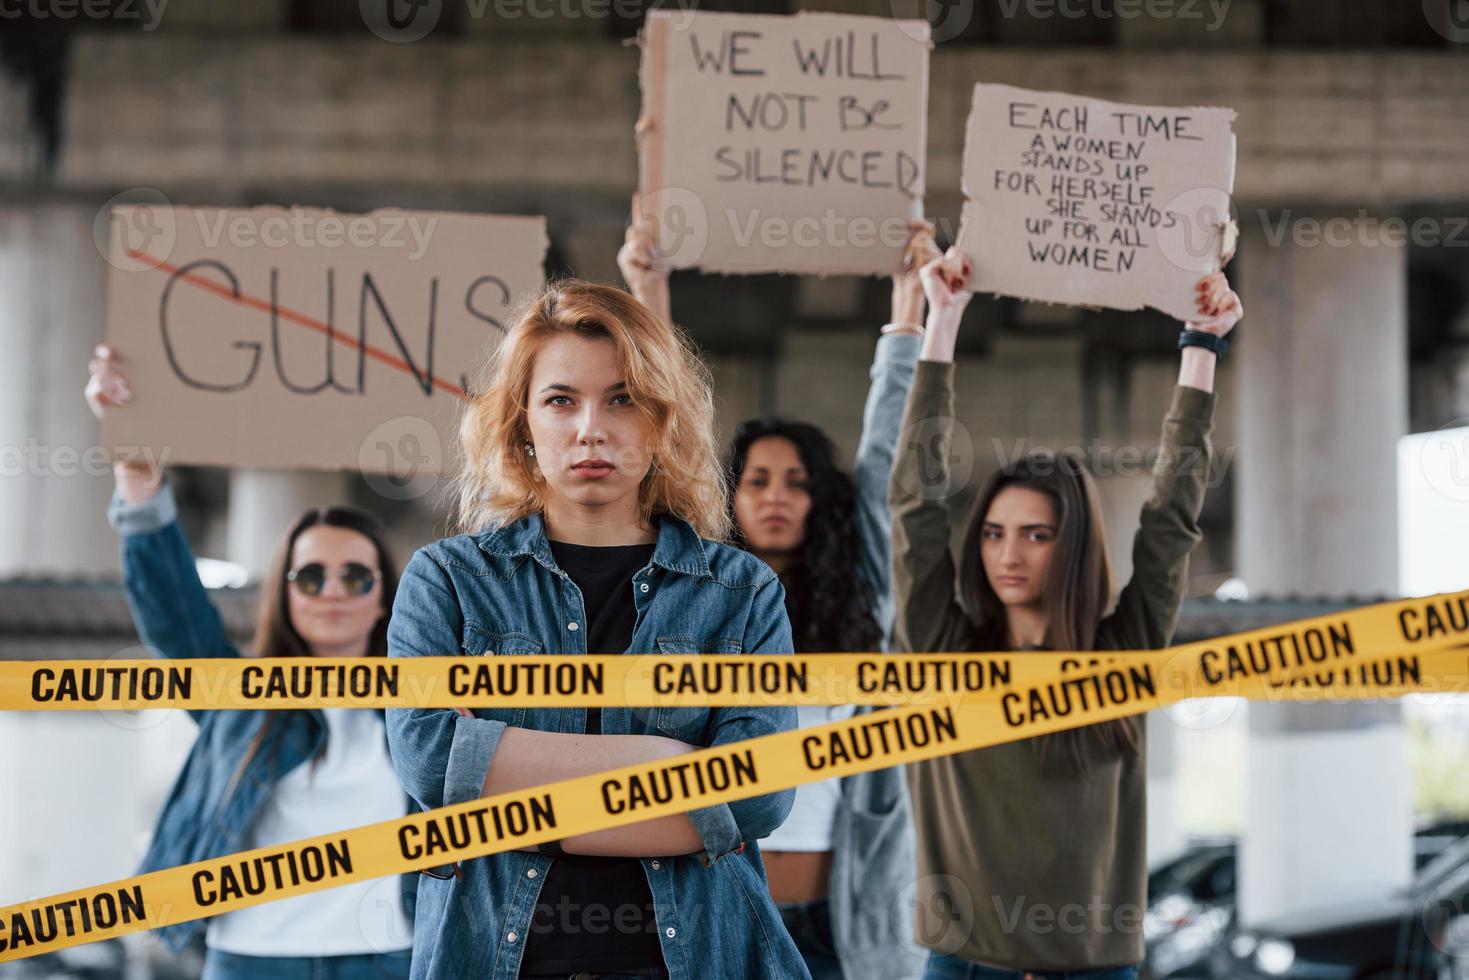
258	778
593	502
840	863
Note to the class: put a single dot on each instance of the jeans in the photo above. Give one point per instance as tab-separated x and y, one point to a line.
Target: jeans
655	974
219	965
954	968
809	924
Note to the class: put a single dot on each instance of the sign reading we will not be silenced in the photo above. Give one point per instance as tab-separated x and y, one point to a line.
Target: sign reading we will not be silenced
1091	203
306	339
783	144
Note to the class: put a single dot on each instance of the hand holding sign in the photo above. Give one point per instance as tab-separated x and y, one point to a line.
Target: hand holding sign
644	268
1220	306
944	281
907	285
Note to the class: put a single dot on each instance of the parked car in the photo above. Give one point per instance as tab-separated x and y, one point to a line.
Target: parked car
1396	937
1191	902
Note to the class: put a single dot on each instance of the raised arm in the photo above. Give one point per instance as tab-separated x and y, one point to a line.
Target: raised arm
642	267
882	417
1148	608
928	615
170	608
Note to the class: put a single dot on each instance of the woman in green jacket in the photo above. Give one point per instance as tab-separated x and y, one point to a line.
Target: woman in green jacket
1031	854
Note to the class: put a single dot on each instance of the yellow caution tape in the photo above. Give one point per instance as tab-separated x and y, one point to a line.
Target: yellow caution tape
1215	667
1376	652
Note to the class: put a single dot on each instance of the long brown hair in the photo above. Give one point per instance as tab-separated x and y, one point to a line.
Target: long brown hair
498	484
1077	592
276	635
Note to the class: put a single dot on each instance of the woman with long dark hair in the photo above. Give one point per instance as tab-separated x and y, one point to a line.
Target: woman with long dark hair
593	506
838	864
1032	853
258	778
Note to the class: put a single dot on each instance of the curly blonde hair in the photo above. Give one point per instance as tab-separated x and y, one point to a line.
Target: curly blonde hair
497	483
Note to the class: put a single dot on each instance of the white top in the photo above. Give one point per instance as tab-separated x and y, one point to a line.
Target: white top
808	828
354	784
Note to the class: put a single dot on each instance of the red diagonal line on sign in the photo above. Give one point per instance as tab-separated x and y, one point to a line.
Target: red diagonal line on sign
194	279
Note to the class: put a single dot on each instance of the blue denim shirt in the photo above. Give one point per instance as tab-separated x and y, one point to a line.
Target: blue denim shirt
502	593
208	810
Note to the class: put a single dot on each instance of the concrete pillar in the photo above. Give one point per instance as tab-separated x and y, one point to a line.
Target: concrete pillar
1322	401
54	479
265	503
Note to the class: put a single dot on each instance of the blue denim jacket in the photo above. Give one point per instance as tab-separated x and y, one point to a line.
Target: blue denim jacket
208	811
502	593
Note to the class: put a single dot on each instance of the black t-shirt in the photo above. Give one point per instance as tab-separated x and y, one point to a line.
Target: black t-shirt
596	913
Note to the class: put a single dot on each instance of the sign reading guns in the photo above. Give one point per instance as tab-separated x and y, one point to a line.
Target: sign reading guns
1079	201
783	144
304	338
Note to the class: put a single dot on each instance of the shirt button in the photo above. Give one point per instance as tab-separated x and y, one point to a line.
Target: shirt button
573	627
670	932
531	872
656	866
643	587
510	938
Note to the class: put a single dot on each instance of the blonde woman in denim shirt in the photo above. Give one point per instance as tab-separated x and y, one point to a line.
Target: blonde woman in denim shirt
592	502
258	778
840	864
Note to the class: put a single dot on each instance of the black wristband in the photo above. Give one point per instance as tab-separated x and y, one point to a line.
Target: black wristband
551	847
1197	338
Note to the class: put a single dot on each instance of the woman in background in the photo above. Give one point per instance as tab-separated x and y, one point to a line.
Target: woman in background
840	862
258	778
1042	840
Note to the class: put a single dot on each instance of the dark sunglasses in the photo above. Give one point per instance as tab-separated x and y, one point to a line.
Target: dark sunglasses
357	578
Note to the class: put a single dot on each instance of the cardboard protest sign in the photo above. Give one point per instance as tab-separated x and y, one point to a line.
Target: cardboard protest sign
783	144
306	339
1092	203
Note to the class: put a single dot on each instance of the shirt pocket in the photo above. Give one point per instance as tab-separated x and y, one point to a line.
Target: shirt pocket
481	641
689	724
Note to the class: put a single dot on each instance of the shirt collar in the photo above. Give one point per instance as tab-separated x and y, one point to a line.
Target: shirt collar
679	547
